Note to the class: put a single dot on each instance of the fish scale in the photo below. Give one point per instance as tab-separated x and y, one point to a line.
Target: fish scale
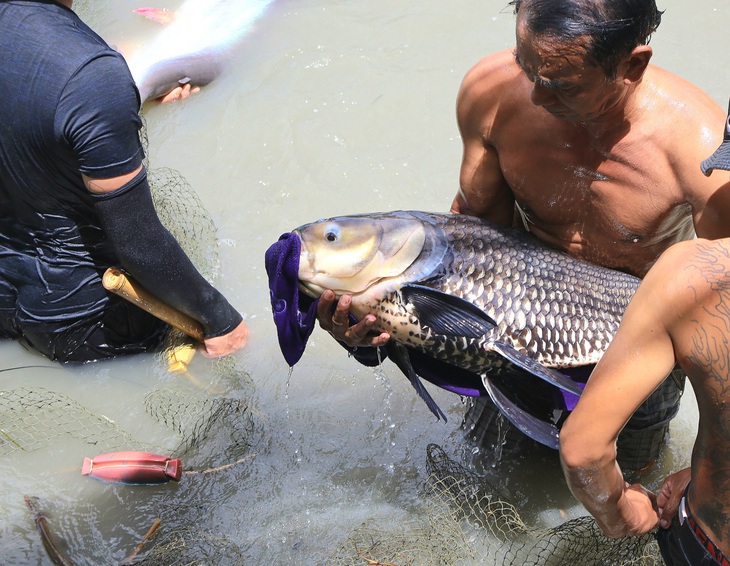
560	311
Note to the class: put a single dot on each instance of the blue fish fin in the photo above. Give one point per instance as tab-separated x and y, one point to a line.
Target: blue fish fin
536	368
447	314
540	431
399	354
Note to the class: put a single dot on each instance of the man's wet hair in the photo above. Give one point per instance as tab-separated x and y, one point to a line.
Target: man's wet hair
613	28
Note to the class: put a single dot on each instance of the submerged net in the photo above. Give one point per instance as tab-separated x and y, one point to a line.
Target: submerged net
34	419
188	547
469	522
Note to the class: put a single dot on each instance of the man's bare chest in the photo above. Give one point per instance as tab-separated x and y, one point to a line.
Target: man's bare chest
563	183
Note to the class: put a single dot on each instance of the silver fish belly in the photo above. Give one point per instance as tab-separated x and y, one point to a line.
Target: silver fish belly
196	46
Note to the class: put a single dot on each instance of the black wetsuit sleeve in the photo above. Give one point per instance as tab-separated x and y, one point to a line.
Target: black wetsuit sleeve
149	253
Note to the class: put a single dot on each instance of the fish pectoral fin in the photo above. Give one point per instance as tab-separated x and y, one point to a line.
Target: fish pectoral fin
536	368
447	314
399	354
541	431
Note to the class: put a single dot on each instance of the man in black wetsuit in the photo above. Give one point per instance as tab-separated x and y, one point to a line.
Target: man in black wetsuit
74	199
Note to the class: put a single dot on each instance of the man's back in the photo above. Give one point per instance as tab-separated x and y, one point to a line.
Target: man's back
65	96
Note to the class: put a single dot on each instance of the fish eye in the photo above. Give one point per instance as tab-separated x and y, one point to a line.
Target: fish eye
332	234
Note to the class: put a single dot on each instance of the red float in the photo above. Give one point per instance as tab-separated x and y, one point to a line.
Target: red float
132	467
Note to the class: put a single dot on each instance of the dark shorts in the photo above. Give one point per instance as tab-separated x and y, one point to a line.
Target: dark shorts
120	329
54	301
639	444
685	544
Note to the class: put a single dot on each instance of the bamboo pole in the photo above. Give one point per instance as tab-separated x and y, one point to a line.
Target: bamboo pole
123	285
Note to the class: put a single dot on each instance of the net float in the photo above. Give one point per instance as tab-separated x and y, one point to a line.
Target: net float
133	468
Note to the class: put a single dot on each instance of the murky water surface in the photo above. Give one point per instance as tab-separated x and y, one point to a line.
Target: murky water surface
330	107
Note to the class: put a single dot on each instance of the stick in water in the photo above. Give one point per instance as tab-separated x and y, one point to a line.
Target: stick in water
130	559
54	553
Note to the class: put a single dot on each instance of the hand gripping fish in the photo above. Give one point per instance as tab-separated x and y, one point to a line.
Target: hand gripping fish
475	308
195	46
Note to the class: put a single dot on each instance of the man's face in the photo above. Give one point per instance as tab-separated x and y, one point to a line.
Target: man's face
563	83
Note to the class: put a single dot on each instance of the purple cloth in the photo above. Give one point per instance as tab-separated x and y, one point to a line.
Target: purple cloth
293	324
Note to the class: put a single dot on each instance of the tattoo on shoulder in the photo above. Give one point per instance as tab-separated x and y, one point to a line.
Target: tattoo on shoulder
710	345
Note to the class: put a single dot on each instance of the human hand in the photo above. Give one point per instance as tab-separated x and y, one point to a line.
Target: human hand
671	494
338	323
226	343
179	93
645	516
637	513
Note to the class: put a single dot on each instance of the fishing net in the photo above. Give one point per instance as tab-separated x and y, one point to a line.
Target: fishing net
34	419
187	547
467	521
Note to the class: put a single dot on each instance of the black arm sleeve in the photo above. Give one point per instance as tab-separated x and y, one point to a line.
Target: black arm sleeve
149	253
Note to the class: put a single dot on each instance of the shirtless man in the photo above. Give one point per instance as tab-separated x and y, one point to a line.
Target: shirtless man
578	138
681	312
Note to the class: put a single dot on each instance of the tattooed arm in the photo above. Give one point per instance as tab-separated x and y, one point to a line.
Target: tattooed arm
640	357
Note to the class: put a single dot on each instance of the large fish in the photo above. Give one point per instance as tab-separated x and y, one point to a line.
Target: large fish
195	46
476	308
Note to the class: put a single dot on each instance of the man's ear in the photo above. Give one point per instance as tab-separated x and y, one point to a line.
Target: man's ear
637	63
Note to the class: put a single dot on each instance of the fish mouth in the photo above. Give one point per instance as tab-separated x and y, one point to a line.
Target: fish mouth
312	290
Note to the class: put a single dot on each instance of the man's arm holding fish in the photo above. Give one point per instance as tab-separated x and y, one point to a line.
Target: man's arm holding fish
642	347
483	190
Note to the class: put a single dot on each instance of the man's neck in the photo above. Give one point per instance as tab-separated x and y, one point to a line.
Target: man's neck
66	3
616	119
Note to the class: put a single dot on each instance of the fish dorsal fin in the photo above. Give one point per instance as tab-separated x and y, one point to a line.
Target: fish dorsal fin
446	314
399	355
535	368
